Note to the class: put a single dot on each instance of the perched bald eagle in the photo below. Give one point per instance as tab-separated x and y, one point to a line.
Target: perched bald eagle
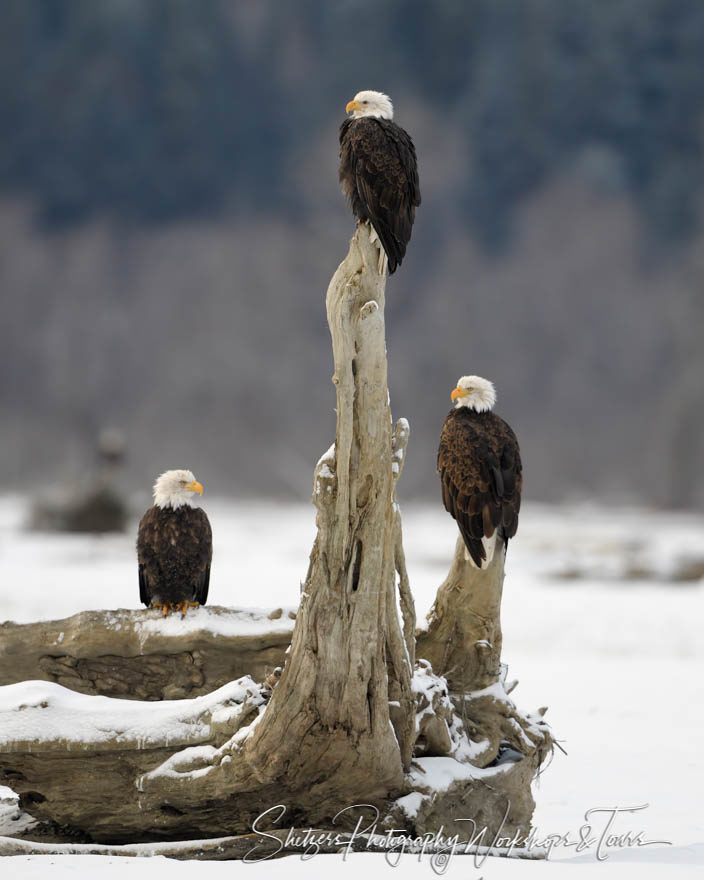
480	469
174	546
379	173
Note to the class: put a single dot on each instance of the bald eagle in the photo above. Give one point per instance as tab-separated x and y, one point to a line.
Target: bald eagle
379	173
480	470
174	546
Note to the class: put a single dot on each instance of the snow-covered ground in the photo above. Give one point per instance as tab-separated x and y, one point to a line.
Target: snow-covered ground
600	624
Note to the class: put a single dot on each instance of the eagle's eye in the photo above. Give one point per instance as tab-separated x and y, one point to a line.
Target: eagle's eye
365	102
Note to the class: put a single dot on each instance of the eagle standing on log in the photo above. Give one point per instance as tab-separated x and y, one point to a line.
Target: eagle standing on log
379	174
480	470
174	546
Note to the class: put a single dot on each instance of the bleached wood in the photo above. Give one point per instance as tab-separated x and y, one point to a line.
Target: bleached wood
138	655
463	643
334	693
326	739
463	640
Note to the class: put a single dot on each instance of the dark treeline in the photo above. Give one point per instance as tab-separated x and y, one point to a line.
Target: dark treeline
154	109
170	216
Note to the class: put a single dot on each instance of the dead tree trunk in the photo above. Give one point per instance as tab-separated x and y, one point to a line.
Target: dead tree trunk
329	715
463	643
463	639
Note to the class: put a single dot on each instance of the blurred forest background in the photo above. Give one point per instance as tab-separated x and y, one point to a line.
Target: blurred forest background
170	217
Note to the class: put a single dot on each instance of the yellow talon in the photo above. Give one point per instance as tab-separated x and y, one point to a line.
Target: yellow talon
165	606
184	606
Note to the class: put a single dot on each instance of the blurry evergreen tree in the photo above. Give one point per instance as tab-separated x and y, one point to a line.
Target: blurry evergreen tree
140	109
152	109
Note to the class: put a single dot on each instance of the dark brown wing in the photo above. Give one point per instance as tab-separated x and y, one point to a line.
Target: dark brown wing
202	596
144	594
201	527
146	557
479	464
379	173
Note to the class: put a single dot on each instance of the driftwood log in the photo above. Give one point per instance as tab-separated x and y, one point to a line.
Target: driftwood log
463	643
348	720
138	655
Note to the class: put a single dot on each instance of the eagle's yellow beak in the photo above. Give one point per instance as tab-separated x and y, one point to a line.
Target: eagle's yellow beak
353	105
195	486
458	392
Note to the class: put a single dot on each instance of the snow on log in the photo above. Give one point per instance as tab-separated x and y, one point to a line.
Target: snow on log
51	718
141	655
78	760
326	738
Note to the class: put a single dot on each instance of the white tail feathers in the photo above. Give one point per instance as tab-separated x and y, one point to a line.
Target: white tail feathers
489	545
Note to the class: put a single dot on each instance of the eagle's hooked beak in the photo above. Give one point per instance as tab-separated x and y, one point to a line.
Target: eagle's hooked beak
458	392
195	486
353	105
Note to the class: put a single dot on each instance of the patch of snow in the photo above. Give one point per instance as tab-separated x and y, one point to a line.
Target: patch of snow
237	622
558	635
438	774
328	455
9	806
195	761
411	803
373	865
431	688
8	796
41	711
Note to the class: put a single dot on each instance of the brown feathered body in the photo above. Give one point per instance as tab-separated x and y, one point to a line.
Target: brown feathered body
379	175
174	551
479	463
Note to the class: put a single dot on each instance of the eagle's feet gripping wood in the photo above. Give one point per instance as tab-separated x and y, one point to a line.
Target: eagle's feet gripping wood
168	607
184	606
165	606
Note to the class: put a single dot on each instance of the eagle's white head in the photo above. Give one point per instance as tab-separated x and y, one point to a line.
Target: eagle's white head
476	393
175	488
370	103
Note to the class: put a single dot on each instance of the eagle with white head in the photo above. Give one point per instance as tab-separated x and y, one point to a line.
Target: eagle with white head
174	546
379	173
479	463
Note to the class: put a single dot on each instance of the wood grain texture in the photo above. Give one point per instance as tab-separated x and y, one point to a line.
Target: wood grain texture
138	655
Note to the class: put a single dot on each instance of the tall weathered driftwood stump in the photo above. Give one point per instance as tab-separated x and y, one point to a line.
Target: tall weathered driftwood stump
463	643
329	731
352	718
